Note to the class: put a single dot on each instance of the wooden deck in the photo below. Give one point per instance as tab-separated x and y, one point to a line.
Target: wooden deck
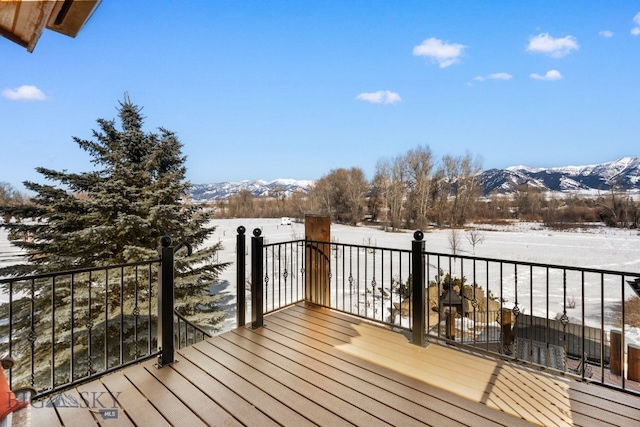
313	366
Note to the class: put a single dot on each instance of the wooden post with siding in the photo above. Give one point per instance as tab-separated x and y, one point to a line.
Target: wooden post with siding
615	340
317	230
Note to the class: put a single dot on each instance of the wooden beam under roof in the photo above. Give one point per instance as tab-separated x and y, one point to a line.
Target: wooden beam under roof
23	21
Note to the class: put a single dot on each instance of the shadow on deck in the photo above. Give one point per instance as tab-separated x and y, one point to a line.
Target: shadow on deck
314	366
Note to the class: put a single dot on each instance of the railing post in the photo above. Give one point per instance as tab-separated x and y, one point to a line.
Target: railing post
417	291
240	275
165	303
257	273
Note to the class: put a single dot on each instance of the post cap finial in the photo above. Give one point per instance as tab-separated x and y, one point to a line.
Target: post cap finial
241	230
418	235
165	241
257	232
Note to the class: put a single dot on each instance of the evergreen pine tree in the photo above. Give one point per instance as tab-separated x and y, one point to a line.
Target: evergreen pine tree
114	214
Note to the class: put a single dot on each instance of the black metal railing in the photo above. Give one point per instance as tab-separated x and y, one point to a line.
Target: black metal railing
566	319
186	332
69	327
65	327
555	316
277	276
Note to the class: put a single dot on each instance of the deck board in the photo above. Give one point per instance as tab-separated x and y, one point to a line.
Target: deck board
274	380
289	375
43	415
69	415
98	397
314	366
198	402
172	408
263	401
135	405
234	404
372	405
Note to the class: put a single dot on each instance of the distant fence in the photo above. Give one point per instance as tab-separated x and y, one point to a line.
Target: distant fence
539	329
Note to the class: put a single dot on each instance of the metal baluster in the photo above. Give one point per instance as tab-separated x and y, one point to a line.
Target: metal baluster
373	287
106	319
136	314
10	338
32	333
122	315
89	325
564	319
53	331
72	316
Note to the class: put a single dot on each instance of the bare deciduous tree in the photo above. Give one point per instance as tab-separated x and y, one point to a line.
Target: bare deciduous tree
462	175
341	194
475	237
617	209
455	241
241	204
419	167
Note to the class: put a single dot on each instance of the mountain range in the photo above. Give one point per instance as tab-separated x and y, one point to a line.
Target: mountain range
623	173
258	188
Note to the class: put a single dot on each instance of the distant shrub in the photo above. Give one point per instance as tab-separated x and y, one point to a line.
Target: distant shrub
631	313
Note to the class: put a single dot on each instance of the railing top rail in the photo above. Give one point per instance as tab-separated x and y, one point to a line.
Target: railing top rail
77	271
537	264
484	259
265	245
353	245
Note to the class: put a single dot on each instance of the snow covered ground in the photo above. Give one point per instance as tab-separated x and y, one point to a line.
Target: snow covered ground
593	247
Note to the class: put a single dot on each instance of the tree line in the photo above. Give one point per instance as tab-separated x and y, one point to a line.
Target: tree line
415	191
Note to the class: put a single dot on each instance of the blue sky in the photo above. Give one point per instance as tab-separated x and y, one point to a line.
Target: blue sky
294	89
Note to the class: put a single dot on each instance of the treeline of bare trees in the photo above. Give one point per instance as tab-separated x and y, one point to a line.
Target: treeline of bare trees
408	191
412	190
9	196
615	207
415	191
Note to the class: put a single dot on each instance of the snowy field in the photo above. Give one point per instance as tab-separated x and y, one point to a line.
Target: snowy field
592	247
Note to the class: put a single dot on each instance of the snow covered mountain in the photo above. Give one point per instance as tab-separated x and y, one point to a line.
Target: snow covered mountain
624	173
258	188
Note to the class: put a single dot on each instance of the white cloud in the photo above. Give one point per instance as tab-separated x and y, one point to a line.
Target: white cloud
494	76
551	75
380	97
443	53
636	20
606	34
556	48
24	93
